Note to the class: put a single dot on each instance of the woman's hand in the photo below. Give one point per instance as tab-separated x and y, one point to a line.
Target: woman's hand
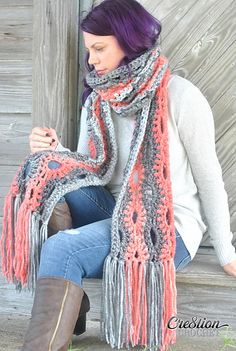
43	139
230	268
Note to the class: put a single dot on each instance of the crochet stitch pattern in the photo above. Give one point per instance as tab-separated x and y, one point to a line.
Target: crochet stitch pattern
139	292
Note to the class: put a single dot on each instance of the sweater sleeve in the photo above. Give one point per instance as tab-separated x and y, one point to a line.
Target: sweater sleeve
197	132
83	135
82	146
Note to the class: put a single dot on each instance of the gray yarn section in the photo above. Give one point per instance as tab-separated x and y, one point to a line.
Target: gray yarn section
150	193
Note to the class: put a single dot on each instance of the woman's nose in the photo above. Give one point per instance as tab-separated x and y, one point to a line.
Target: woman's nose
92	59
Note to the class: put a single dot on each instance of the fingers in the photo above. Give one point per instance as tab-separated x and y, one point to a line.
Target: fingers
230	268
40	131
39	139
43	139
54	137
37	149
53	133
41	144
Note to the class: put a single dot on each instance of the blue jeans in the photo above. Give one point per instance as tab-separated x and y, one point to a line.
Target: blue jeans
79	253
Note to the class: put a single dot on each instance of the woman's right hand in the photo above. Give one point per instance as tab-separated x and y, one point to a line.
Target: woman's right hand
43	139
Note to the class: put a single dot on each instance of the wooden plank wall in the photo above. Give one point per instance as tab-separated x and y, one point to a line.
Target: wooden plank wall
198	37
15	87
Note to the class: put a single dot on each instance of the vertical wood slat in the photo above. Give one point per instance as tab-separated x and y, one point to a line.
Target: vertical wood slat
55	67
84	8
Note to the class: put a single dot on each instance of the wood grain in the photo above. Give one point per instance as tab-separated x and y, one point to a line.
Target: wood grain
170	13
14	3
190	27
15	86
15	30
14	146
14	138
209	44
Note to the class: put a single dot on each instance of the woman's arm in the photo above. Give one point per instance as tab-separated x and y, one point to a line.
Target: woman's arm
83	137
197	132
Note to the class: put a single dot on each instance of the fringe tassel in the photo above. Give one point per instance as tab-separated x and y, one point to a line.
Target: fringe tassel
136	296
155	304
170	296
7	238
17	204
35	245
21	243
21	258
138	300
113	302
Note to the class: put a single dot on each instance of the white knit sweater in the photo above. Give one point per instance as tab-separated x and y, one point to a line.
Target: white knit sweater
199	197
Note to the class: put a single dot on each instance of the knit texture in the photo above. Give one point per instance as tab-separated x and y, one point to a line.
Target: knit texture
139	293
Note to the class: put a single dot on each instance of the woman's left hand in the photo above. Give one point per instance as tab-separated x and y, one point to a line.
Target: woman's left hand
230	268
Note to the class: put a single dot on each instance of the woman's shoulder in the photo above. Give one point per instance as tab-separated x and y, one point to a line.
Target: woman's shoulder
178	85
186	102
182	89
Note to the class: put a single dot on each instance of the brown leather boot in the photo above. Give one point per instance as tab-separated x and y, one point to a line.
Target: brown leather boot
60	218
54	314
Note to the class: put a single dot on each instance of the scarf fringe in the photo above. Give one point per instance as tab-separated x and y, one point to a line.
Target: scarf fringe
139	303
35	245
170	298
21	243
7	238
21	258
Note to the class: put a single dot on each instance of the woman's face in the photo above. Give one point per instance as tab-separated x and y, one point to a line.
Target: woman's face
105	52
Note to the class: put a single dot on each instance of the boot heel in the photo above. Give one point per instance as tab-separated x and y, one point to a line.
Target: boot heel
80	326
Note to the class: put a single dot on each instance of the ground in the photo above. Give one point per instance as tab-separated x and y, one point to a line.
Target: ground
13	326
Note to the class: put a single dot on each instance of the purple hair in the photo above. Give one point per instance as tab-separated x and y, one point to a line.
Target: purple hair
135	29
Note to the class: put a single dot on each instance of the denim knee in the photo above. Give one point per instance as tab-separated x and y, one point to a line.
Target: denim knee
51	255
58	259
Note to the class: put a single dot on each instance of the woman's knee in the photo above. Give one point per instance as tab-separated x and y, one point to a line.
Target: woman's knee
55	248
58	258
50	243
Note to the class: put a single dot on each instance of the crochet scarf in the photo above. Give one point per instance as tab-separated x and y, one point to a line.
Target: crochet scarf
139	292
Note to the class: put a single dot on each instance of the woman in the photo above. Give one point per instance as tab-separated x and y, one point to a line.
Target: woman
115	34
